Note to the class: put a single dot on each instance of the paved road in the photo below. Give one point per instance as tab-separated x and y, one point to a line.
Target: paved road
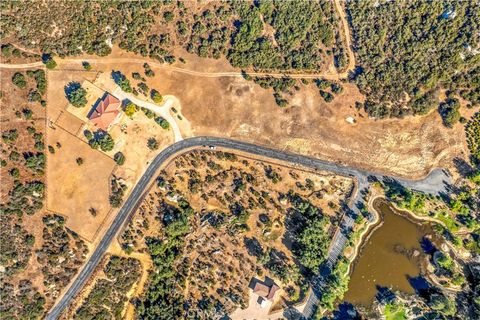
136	195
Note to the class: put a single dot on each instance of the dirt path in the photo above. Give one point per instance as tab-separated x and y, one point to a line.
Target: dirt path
347	38
173	69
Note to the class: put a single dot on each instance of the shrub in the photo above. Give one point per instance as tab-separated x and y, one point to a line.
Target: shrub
79	161
119	158
152	144
14	172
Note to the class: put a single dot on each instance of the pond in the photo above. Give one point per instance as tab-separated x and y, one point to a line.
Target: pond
390	258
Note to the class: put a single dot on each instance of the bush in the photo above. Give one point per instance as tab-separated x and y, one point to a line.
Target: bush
79	161
152	144
119	158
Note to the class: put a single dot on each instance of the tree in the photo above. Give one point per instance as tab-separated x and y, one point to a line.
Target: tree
86	65
152	144
162	122
168	16
122	81
49	62
449	112
156	96
76	94
15	173
119	158
442	304
18	79
79	161
130	109
27	113
106	142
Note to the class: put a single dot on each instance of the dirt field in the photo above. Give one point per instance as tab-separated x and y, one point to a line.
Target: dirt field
234	107
74	189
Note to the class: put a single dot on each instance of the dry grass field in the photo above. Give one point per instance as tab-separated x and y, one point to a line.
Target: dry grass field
73	189
240	109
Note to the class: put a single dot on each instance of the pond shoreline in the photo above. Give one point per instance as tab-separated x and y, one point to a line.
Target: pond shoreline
380	254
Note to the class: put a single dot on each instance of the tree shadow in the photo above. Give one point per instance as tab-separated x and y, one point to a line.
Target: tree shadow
385	295
71	87
254	248
463	167
346	311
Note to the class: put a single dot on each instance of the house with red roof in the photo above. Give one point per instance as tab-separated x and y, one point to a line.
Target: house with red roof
105	112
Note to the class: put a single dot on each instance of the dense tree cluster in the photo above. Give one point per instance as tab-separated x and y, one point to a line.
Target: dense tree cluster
21	301
61	254
407	51
108	297
310	234
472	130
266	34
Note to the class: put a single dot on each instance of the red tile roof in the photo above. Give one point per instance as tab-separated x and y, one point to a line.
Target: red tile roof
105	112
265	291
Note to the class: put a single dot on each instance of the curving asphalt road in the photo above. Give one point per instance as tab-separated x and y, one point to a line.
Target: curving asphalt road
435	182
